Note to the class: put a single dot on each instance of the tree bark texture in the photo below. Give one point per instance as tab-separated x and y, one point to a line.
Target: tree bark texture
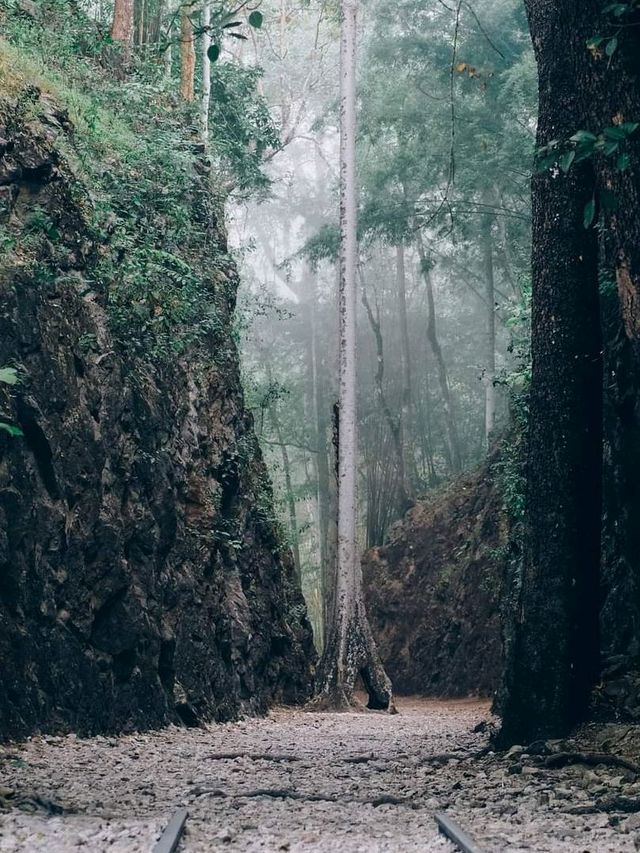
616	82
187	54
122	24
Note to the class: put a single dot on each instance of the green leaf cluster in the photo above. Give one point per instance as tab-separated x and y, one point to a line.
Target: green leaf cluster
9	376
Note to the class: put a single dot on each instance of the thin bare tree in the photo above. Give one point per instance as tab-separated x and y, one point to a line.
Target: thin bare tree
350	651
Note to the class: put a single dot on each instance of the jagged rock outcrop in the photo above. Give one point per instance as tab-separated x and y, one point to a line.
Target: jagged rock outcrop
434	591
142	576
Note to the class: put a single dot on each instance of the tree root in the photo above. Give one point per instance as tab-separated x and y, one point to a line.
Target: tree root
335	701
563	759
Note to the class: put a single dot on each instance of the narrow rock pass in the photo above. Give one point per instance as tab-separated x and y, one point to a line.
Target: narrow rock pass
305	781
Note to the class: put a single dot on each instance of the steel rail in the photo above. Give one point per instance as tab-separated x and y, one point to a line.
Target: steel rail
170	838
456	834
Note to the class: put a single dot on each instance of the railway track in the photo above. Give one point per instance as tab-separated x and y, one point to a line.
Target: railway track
456	834
170	838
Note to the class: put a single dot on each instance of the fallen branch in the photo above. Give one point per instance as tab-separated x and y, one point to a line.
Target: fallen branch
383	800
286	794
290	794
448	756
252	756
563	759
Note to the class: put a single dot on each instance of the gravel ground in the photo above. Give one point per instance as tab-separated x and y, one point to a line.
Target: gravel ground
305	781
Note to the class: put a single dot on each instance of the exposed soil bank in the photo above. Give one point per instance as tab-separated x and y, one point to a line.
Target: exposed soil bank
433	591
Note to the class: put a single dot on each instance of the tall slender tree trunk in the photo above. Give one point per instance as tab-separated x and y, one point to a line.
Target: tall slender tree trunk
453	440
350	651
394	422
187	54
506	256
122	35
141	23
122	24
489	372
290	497
166	8
320	458
407	388
553	653
206	71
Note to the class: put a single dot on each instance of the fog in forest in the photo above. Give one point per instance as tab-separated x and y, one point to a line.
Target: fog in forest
446	130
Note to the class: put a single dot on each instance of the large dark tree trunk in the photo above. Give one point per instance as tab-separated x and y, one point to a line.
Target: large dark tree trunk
617	100
553	654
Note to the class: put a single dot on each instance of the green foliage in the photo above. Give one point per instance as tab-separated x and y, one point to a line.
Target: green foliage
243	130
224	26
322	246
610	142
154	213
160	306
9	376
617	16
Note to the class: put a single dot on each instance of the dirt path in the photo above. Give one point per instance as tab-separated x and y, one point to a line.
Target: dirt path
301	782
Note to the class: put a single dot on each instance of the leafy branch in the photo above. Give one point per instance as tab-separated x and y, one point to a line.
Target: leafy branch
620	17
583	144
229	28
610	142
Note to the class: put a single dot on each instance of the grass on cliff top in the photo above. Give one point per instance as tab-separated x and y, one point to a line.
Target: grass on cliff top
132	149
116	125
156	211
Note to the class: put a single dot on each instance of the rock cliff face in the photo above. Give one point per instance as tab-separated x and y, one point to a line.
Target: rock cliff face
434	589
142	577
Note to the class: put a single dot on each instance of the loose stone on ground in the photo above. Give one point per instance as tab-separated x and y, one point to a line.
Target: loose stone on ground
304	781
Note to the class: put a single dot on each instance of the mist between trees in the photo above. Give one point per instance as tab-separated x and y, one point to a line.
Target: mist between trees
446	129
